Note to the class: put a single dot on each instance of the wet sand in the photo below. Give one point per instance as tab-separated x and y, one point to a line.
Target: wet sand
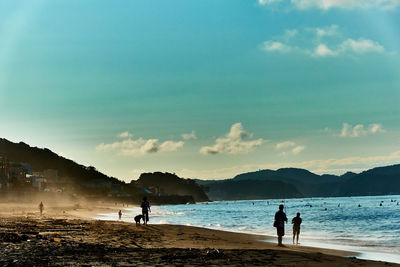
65	235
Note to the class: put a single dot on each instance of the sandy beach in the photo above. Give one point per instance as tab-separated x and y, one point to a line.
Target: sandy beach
66	235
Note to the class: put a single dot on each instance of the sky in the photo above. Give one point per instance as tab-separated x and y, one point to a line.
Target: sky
204	89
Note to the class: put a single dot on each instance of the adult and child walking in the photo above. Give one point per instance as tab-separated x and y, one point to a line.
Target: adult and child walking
145	205
279	223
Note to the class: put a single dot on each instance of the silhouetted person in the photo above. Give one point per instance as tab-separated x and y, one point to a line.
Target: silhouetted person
380	204
280	219
145	210
41	206
359	205
296	221
119	214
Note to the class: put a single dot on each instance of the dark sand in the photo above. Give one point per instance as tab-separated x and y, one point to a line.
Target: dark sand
63	236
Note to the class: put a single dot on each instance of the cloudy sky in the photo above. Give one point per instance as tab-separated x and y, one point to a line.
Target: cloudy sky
205	89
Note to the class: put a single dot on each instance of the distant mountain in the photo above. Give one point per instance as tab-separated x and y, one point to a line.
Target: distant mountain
294	182
287	174
251	189
348	175
377	181
167	183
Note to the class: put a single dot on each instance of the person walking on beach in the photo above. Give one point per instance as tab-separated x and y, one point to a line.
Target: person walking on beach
145	210
119	214
279	223
41	206
296	221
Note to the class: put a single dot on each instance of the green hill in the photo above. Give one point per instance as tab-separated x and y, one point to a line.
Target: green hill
89	182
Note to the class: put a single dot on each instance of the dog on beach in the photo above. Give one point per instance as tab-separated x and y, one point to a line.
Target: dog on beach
138	218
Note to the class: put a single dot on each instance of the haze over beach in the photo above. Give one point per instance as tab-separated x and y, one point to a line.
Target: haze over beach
235	102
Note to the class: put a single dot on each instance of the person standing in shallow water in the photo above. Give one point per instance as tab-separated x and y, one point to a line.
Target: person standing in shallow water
145	210
296	221
41	206
279	223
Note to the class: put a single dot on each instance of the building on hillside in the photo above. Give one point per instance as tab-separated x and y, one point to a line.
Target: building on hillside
99	184
145	191
38	182
18	170
156	190
4	173
63	184
49	175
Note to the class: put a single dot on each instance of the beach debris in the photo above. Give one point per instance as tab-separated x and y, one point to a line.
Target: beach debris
214	253
40	237
30	233
56	239
64	230
12	237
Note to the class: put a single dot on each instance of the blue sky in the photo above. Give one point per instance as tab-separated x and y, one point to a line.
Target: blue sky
204	89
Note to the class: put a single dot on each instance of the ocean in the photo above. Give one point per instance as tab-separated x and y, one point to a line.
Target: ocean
367	225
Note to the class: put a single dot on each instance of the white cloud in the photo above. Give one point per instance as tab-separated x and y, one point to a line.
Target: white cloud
360	46
322	51
150	146
290	33
125	135
272	46
189	136
234	142
289	147
298	149
140	146
376	128
350	131
331	30
285	144
320	42
171	145
359	130
268	2
340	4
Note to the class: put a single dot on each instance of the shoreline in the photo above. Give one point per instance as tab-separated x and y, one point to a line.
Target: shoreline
365	253
64	231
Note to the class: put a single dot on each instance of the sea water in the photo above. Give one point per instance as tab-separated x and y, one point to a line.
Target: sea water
368	225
